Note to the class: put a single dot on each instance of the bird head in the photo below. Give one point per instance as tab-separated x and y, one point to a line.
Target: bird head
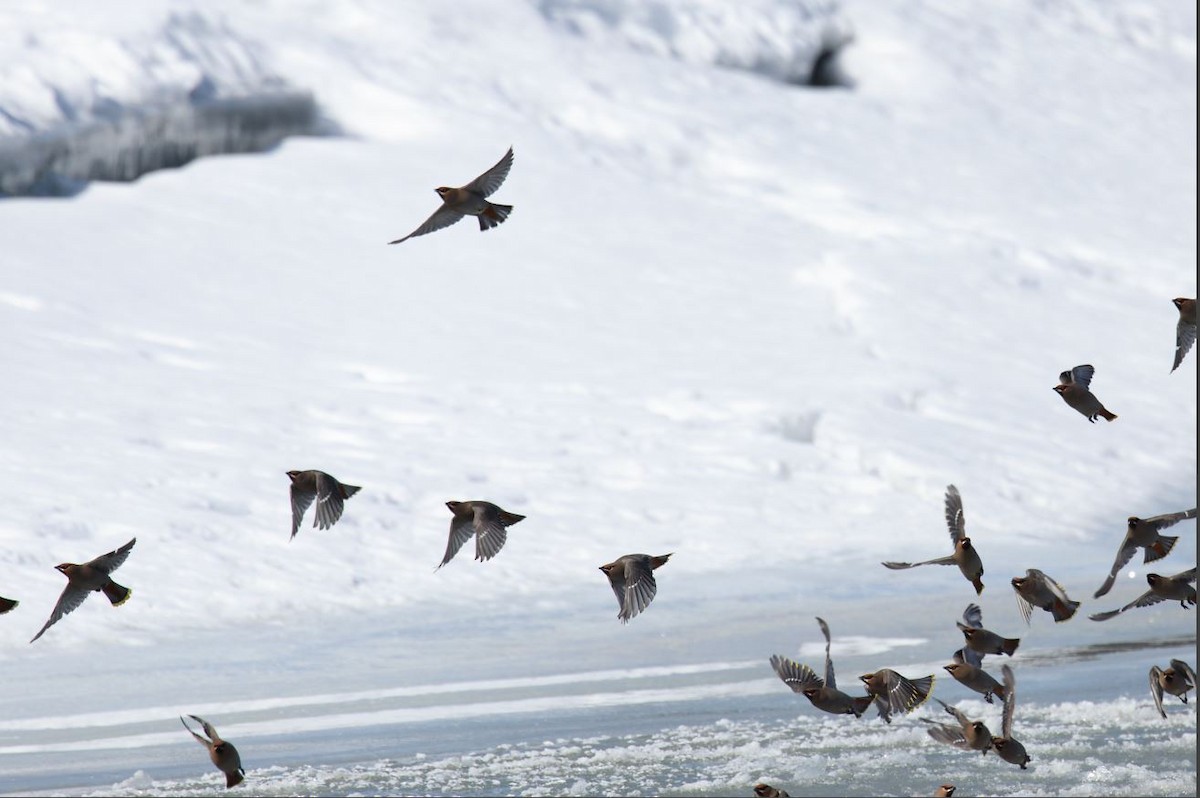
442	191
1060	388
453	506
1178	302
965	543
762	790
1133	521
811	692
1018	582
979	727
63	567
607	568
1154	579
969	632
947	790
866	677
292	475
952	667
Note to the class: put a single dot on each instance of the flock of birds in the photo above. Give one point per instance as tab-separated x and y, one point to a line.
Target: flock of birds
632	576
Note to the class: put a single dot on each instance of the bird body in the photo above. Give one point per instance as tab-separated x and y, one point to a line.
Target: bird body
89	577
1162	588
632	580
981	640
970	735
767	791
1073	387
484	520
222	753
330	496
469	200
1185	328
895	693
1035	589
822	693
1144	533
1176	680
967	670
964	556
1009	749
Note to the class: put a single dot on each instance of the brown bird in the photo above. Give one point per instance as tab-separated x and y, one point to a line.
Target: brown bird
469	199
1009	749
485	521
1073	388
767	791
967	669
222	753
632	580
1162	588
1035	589
329	493
89	577
945	791
894	693
1176	680
964	556
822	693
971	735
981	640
1143	533
1185	330
7	604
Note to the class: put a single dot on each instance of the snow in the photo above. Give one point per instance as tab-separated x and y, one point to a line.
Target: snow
757	325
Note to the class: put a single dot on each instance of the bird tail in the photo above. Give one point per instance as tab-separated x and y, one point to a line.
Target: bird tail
659	561
861	705
1160	548
920	692
350	490
508	519
117	594
1010	645
7	604
493	215
978	586
1063	611
1107	415
233	779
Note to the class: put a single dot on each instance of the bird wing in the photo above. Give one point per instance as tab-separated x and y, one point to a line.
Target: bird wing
954	514
946	734
1023	604
301	499
1165	520
442	217
490	180
1185	336
329	501
898	566
112	561
208	729
963	720
969	655
68	602
1082	375
1183	668
461	529
1058	591
830	679
904	695
1156	689
973	616
1145	600
794	675
1187	576
199	739
640	587
1124	555
490	533
1010	701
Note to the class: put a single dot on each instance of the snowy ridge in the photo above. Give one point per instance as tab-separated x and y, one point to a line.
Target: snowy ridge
782	40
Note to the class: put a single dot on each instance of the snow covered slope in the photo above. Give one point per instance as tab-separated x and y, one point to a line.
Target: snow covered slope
757	325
